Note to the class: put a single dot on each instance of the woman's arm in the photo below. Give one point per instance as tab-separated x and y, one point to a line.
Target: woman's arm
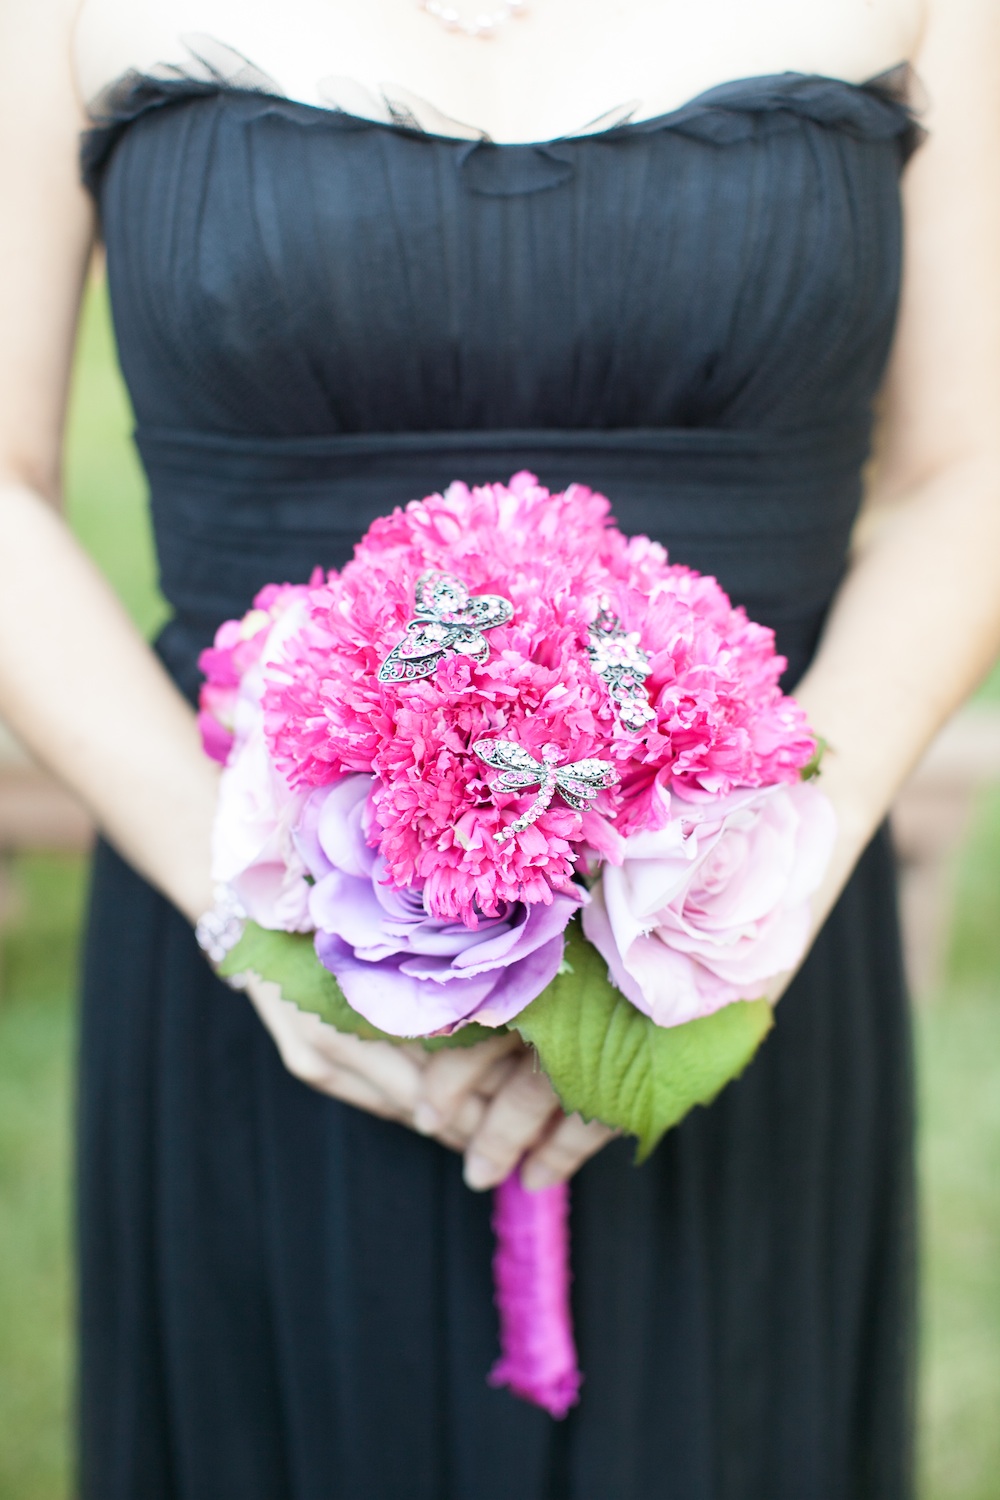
77	682
917	622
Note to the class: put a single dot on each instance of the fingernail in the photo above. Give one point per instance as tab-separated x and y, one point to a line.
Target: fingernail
535	1177
426	1118
479	1172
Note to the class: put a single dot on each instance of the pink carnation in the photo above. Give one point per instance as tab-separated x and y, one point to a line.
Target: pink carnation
721	719
237	647
327	714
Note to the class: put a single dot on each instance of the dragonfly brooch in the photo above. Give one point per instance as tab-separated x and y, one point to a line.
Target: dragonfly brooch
447	619
623	666
578	783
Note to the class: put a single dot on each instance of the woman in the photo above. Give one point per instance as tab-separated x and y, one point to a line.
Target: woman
285	1283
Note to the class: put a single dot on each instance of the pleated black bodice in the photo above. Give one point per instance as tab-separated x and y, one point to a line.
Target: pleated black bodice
319	318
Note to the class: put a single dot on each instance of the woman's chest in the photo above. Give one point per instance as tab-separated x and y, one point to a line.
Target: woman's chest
562	64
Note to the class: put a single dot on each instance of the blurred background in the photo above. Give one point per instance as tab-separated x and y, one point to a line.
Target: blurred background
948	831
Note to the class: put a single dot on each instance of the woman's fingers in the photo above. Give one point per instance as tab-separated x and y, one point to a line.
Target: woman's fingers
351	1088
517	1116
297	1052
377	1076
457	1132
396	1072
490	1100
563	1151
456	1073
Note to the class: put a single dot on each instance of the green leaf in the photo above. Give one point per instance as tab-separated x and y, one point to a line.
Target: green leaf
608	1061
604	1057
465	1036
813	766
289	960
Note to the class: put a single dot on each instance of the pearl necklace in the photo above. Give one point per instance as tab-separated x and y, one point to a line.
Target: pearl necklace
485	25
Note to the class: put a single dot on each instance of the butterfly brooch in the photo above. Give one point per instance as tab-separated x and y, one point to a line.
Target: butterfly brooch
623	666
578	783
447	620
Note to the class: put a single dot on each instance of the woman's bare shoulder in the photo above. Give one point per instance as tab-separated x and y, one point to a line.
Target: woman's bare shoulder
111	37
48	227
967	31
943	391
36	37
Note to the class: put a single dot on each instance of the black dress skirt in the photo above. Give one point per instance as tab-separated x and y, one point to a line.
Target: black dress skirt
320	317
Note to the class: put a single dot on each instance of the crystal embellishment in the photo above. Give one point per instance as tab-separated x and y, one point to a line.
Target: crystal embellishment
221	927
484	24
621	663
447	620
577	784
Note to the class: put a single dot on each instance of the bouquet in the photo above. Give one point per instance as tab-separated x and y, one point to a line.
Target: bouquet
512	769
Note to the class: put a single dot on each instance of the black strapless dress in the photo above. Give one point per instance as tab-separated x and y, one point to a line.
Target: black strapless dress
318	318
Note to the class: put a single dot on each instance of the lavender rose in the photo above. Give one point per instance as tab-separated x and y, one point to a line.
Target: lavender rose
406	971
711	906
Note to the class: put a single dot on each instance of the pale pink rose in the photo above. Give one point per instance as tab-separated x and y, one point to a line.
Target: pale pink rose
253	849
713	904
252	846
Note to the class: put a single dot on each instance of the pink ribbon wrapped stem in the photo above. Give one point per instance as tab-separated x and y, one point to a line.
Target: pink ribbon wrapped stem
531	1277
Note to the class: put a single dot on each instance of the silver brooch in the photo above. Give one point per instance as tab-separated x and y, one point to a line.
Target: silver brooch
221	927
578	783
446	619
621	663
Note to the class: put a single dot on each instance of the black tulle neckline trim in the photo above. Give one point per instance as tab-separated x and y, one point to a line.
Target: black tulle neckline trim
877	109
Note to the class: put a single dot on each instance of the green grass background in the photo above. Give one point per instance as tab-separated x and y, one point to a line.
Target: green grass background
958	1039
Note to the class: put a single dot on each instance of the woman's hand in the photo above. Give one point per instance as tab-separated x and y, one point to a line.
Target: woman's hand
520	1116
490	1101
